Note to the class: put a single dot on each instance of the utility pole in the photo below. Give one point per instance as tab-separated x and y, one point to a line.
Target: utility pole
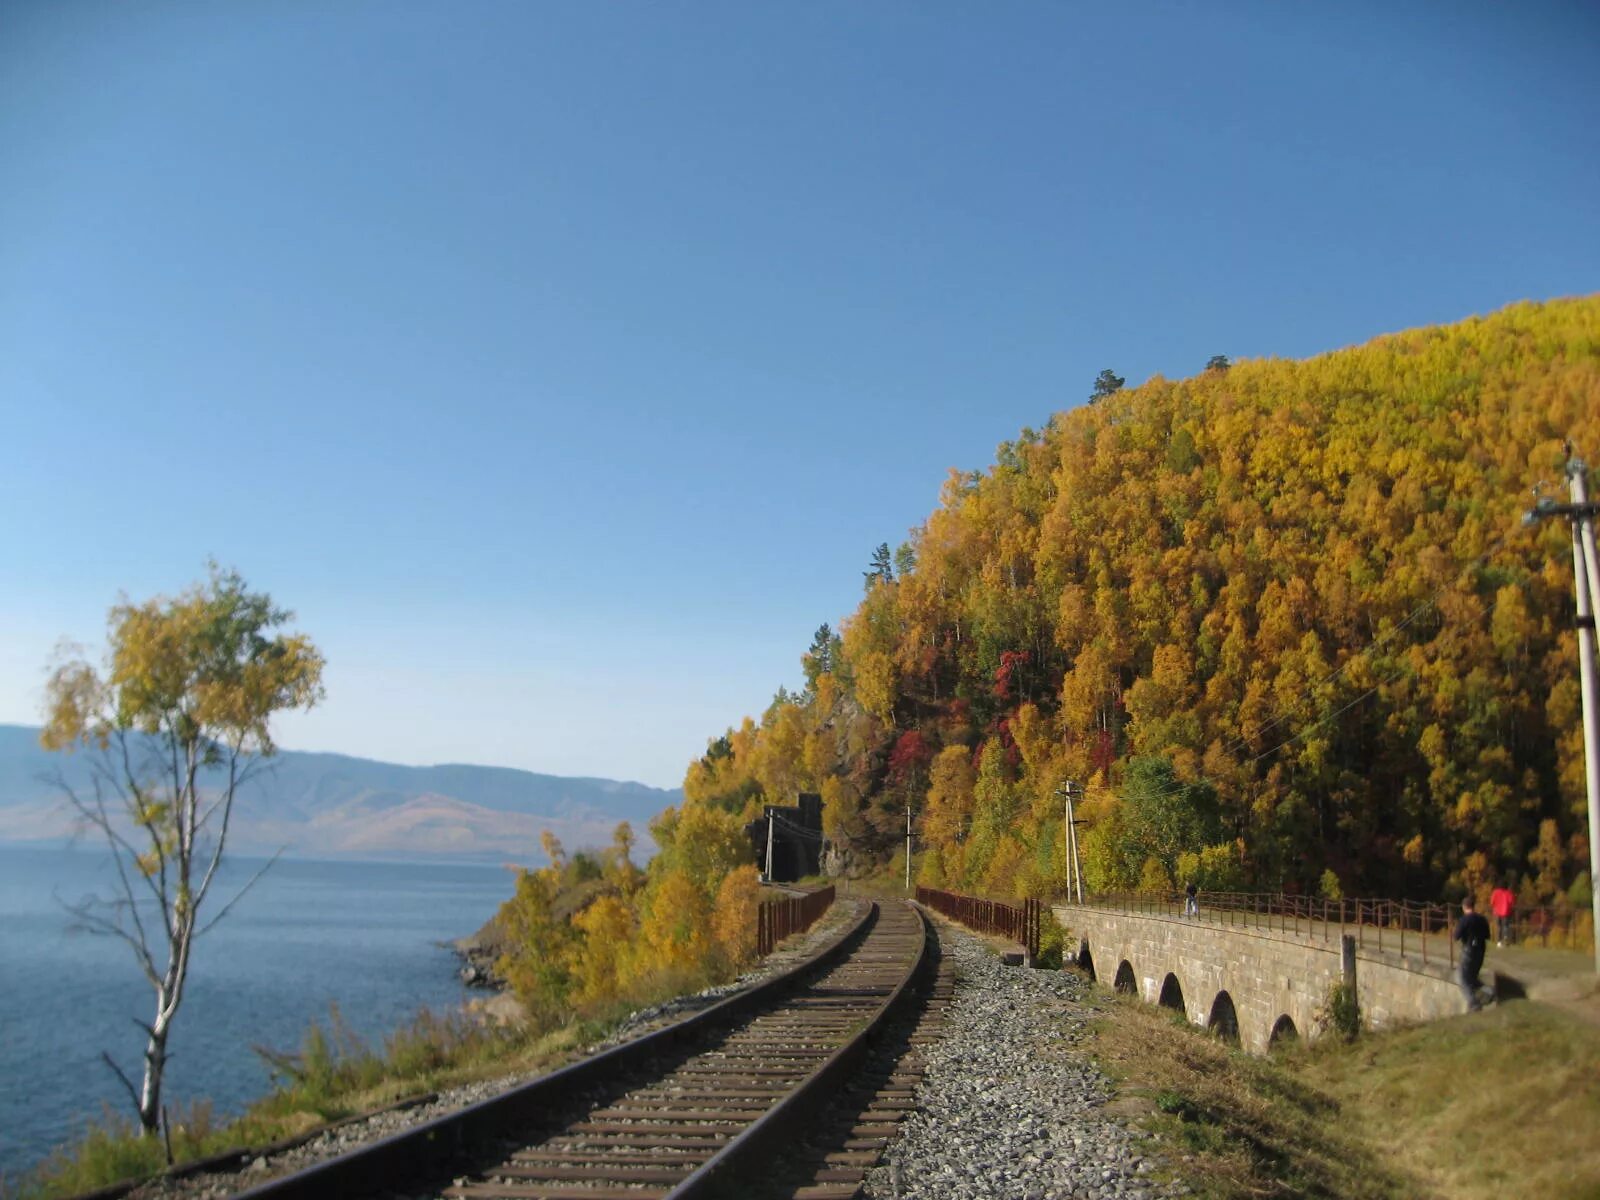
1070	831
769	845
1584	567
1072	824
1586	580
908	847
1065	792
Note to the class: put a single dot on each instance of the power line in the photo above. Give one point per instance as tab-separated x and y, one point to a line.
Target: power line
797	830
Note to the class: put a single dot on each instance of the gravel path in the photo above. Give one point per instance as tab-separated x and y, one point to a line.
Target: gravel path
1011	1107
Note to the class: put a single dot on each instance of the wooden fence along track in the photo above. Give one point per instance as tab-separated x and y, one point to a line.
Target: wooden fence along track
691	1110
1022	923
778	919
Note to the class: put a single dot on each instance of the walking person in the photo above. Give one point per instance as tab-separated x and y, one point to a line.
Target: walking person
1191	902
1472	931
1501	902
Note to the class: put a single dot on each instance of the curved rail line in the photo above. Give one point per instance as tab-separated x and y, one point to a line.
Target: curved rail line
684	1112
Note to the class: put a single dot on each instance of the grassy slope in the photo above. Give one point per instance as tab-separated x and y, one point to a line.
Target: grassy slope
1502	1103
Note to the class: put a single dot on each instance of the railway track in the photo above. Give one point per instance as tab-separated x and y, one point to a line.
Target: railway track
691	1111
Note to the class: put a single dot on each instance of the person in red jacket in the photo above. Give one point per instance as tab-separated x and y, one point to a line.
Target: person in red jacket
1501	902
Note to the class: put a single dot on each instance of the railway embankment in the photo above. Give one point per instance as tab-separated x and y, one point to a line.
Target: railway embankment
1011	1103
1039	1085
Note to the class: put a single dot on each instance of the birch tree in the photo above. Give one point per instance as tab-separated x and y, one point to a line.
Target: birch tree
171	726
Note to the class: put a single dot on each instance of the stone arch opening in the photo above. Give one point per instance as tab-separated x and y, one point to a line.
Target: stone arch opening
1283	1032
1224	1019
1172	994
1086	961
1126	983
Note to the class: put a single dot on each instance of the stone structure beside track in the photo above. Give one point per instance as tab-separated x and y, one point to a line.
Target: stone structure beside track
1256	984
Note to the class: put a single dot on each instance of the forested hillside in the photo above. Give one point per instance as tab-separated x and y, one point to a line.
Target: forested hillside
1282	618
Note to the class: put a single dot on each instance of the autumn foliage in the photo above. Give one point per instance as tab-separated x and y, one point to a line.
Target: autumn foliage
591	934
1282	619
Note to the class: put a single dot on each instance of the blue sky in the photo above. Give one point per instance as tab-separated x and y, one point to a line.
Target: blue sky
561	364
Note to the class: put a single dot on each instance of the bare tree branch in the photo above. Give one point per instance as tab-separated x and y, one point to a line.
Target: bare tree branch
102	820
133	1092
95	814
236	776
93	923
155	839
131	790
226	804
239	895
255	764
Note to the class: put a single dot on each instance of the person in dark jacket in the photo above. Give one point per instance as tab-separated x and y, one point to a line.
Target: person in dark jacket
1472	931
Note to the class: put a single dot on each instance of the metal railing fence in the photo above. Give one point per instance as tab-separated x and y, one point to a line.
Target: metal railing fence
1405	927
789	915
1020	922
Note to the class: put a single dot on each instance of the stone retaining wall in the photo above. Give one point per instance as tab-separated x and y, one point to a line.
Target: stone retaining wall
1255	984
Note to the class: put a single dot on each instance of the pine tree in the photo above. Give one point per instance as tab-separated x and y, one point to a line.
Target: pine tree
1105	383
881	568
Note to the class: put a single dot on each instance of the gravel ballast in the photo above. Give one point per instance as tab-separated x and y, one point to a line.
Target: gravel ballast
1011	1106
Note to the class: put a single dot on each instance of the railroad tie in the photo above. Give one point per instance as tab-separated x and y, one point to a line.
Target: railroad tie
640	1143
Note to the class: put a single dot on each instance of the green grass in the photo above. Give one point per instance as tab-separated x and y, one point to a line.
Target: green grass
1502	1103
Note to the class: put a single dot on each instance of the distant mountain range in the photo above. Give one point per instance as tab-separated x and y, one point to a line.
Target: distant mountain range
332	806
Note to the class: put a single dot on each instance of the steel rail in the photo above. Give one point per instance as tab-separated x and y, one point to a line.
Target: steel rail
698	1128
780	1122
431	1150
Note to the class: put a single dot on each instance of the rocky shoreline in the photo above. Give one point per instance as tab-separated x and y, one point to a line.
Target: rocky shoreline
478	953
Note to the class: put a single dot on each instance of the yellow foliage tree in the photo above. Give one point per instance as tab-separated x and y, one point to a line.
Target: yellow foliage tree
702	844
674	931
179	719
1153	877
538	959
598	965
733	923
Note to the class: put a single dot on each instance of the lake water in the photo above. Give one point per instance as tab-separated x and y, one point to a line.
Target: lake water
309	934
